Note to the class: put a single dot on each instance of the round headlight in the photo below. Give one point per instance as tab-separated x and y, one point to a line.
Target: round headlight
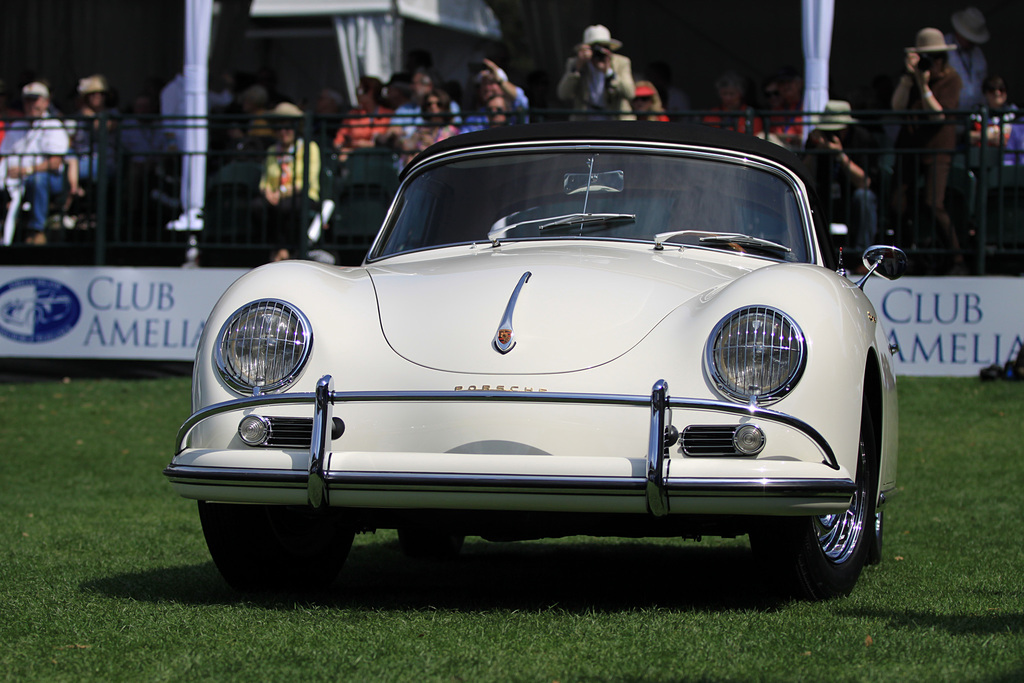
756	354
263	345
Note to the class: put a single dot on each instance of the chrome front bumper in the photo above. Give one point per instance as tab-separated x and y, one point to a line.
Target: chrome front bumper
655	485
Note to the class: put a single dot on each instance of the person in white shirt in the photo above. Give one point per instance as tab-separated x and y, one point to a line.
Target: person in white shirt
35	165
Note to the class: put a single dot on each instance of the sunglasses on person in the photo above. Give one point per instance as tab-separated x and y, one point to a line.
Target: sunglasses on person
432	103
996	89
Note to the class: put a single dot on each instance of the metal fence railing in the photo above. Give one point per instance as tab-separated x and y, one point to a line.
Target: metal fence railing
130	174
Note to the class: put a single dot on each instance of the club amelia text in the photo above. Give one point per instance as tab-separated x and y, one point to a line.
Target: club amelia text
944	328
128	314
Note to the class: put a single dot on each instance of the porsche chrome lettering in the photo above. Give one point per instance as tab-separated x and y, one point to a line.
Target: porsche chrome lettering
497	387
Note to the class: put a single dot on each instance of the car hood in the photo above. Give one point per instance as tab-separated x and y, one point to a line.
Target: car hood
582	306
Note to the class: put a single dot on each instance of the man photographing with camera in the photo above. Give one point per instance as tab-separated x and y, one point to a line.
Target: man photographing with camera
597	78
929	85
928	82
835	154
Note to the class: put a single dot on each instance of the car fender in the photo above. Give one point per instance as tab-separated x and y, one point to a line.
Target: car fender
839	326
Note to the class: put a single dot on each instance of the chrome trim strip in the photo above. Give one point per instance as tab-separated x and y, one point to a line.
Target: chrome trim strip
696	487
506	318
239	476
336	397
430	481
657	495
785	488
539	484
316	489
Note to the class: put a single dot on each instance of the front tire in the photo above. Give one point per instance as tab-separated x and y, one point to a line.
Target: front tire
818	558
274	547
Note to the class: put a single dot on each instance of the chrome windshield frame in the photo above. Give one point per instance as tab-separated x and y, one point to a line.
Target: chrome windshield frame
800	191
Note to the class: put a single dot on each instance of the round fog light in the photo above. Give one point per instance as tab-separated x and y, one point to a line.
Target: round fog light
254	430
748	439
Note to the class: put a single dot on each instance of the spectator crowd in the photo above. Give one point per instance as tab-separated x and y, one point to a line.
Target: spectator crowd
48	153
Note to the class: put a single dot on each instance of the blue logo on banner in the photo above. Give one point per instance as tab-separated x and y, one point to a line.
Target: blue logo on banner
37	310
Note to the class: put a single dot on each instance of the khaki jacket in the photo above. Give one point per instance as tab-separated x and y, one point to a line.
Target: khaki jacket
574	87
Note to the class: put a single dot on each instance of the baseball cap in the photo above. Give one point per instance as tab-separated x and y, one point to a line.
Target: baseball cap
35	89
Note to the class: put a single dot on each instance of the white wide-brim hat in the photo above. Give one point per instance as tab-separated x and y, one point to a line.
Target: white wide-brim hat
930	40
600	35
970	23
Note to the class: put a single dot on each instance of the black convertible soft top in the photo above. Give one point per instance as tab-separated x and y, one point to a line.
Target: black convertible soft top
642	131
623	131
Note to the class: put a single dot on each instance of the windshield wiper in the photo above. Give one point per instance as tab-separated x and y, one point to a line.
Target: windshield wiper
568	219
745	241
721	238
587	219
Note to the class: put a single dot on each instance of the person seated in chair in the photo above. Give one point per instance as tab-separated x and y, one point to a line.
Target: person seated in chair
281	185
838	155
36	163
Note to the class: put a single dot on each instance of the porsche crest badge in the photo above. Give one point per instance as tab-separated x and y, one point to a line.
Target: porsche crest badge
504	338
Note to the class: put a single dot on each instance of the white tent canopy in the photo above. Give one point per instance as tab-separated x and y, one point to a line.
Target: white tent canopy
469	16
369	32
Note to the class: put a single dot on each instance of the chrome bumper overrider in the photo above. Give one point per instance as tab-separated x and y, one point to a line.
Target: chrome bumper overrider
655	486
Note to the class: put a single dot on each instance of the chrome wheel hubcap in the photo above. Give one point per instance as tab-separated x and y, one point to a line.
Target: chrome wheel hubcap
839	535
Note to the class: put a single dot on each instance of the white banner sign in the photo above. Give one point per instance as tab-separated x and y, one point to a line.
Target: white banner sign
942	326
950	326
114	313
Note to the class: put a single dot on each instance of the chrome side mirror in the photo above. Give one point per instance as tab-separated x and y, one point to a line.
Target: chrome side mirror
887	261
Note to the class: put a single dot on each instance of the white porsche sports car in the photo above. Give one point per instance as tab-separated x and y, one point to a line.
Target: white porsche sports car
608	328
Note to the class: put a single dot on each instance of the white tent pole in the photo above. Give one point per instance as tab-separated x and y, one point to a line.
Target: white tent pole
818	17
198	21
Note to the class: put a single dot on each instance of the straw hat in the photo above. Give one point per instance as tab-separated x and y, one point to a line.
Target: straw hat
600	35
930	40
970	23
92	84
286	109
836	116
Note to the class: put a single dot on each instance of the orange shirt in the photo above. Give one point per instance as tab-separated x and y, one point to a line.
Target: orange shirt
362	126
733	120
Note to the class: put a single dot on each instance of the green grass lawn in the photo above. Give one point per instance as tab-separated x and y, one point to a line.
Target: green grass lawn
104	574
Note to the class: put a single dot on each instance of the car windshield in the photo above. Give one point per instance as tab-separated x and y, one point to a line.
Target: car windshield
664	198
